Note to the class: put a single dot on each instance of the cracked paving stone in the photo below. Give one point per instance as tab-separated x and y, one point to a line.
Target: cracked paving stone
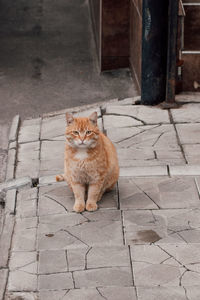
178	192
146	145
187	255
110	121
193	292
22	281
146	274
61	281
109	293
53	295
24	238
162	293
52	262
84	235
56	222
57	199
23	261
132	197
162	226
140	227
76	259
150	115
155	137
115	276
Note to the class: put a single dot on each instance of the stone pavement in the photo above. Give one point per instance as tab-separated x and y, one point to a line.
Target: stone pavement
144	241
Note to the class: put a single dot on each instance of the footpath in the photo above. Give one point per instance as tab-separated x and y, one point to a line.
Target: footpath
143	243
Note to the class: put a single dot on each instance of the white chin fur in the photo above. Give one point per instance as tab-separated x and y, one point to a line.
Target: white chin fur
81	153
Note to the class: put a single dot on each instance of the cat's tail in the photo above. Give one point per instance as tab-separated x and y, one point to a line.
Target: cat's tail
60	178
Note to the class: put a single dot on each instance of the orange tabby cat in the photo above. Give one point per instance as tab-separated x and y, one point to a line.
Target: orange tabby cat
90	162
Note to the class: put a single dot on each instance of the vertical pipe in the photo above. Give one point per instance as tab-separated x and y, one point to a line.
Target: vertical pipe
154	51
172	50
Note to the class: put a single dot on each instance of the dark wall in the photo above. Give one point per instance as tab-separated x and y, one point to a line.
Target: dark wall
191	61
136	39
115	34
111	30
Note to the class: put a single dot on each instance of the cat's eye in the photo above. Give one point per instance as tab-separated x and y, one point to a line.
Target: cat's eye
88	132
75	132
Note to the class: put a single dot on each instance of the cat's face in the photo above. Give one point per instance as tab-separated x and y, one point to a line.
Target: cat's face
82	132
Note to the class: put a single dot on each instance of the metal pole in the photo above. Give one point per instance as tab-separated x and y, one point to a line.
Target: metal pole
172	51
154	51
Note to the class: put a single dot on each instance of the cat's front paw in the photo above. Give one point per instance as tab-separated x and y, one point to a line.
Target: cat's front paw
79	207
91	206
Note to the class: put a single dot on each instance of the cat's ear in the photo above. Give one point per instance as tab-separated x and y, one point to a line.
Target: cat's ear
93	118
69	118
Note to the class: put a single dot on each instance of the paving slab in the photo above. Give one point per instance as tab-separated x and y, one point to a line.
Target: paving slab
84	235
53	127
192	153
180	226
115	276
24	261
99	257
5	239
14	129
22	281
146	145
109	293
110	121
26	207
10	201
19	295
185	170
11	161
178	192
28	160
3	280
145	114
188	113
24	238
59	281
162	293
52	262
29	131
188	133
